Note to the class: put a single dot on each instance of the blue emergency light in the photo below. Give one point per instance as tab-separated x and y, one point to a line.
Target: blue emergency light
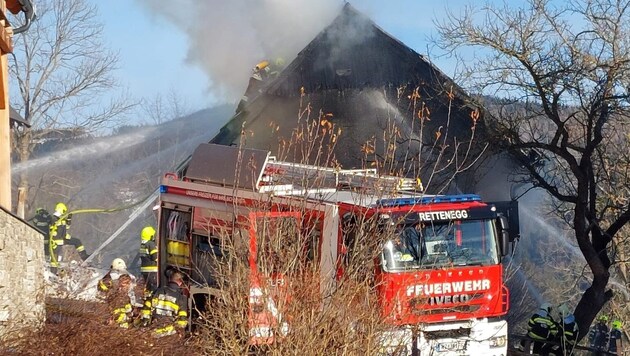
163	189
428	200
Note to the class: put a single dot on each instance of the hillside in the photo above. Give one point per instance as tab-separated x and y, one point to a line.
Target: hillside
113	172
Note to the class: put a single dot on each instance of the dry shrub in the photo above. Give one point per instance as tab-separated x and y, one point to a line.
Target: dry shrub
80	328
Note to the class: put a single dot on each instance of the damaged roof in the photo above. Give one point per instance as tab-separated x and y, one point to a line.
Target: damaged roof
365	81
353	53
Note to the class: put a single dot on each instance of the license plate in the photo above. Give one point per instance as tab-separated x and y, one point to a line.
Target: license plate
450	346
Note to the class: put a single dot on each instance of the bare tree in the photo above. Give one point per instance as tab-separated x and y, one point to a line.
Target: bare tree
567	65
62	70
163	108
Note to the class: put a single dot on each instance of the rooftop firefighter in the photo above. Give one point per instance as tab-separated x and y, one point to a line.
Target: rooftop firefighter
148	257
59	235
261	73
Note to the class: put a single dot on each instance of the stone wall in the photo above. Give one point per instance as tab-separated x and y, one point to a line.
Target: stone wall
22	288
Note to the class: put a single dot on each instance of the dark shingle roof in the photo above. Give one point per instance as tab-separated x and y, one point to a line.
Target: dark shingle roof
353	53
364	78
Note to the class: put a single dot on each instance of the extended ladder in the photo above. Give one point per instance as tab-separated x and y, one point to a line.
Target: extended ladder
279	172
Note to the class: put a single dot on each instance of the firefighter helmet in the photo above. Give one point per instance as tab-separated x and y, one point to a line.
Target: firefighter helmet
546	307
569	319
616	324
119	264
60	209
147	233
563	310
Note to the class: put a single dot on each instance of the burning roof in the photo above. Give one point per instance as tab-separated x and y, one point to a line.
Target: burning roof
363	81
354	53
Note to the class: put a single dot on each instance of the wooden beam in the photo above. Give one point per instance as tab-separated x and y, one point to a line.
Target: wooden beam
6	32
6	46
5	136
14	6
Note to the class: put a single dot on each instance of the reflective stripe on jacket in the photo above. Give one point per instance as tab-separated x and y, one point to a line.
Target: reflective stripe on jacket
59	231
167	302
541	327
148	256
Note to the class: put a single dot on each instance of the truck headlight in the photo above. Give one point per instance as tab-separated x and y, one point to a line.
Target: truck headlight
499	341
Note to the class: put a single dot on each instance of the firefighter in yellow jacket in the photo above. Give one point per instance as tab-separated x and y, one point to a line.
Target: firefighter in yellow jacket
166	311
120	304
148	258
59	235
261	73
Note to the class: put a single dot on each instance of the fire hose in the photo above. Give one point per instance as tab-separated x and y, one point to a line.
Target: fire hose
141	205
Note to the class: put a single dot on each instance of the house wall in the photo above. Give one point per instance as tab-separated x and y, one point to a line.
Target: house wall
21	275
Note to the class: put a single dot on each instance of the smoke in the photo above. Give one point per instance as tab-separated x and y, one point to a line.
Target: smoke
228	38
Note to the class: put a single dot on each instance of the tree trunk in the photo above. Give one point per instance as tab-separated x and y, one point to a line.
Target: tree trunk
24	154
592	301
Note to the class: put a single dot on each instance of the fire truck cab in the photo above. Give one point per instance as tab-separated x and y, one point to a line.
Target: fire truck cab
438	275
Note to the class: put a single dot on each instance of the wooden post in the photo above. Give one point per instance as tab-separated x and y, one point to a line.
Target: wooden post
6	46
5	129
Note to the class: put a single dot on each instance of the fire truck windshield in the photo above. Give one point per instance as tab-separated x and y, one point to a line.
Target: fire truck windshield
426	245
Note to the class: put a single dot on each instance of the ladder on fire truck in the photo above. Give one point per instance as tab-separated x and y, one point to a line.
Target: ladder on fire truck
279	172
258	170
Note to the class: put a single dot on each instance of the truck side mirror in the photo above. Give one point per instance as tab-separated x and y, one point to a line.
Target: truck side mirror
504	235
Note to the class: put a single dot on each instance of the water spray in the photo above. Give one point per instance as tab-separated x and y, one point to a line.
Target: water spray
144	203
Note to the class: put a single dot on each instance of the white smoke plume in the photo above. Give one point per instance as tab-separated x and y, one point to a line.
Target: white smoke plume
228	37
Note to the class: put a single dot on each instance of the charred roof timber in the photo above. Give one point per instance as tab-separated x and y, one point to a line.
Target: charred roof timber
361	76
354	53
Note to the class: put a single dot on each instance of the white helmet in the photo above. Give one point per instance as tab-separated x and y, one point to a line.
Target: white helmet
546	307
563	310
118	264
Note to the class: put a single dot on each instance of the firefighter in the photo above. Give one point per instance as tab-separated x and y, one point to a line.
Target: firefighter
566	335
166	310
120	302
148	257
262	72
540	328
615	346
60	236
598	336
568	332
109	283
42	221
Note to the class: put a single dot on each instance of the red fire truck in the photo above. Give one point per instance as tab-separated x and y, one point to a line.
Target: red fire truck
438	275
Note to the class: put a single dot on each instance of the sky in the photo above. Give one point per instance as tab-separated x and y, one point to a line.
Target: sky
204	50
